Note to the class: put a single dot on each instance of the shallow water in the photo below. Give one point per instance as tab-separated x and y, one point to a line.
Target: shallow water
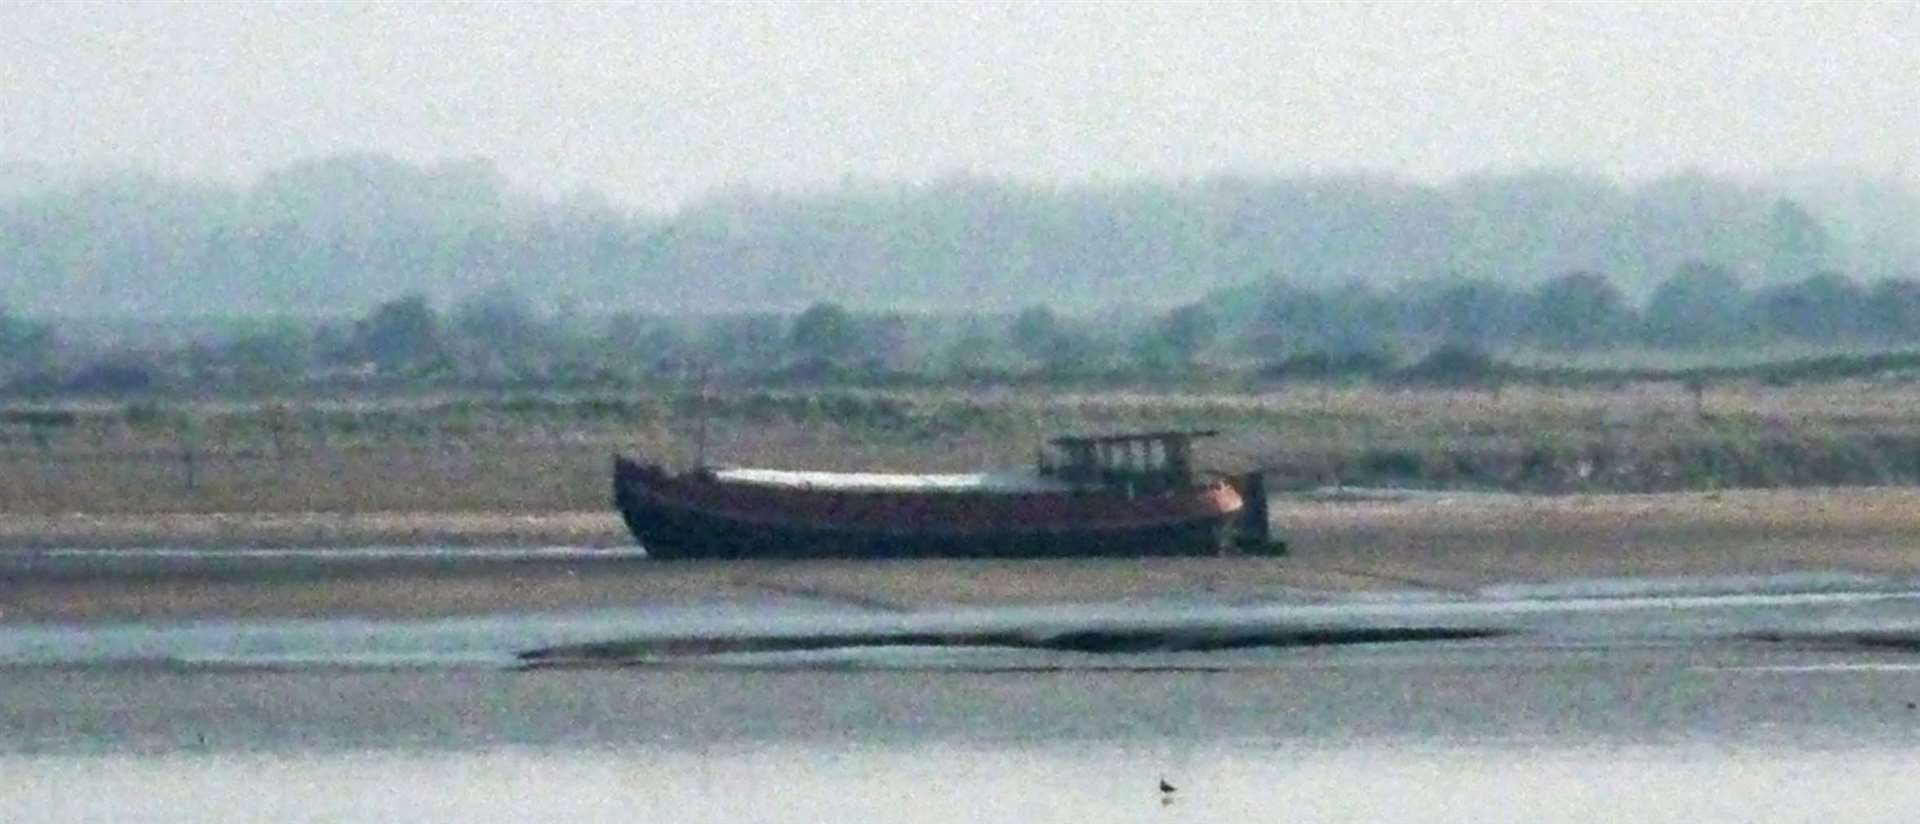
1647	611
948	783
1609	701
1442	734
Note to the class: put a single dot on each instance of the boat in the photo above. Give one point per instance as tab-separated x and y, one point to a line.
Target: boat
1130	494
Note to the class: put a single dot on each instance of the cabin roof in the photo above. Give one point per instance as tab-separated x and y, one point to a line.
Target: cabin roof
890	482
1126	437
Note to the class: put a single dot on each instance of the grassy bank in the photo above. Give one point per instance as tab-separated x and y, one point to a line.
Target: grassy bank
548	453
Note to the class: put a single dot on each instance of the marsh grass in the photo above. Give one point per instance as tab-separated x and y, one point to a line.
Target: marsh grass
546	453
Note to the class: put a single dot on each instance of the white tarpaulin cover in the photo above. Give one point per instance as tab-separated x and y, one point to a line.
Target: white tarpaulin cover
887	482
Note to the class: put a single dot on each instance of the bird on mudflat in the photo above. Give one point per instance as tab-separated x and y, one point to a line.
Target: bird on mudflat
1167	788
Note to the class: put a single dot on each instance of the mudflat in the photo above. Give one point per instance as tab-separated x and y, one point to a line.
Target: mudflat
1341	542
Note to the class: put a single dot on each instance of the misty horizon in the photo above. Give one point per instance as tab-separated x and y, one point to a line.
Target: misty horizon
345	232
325	158
20	179
657	107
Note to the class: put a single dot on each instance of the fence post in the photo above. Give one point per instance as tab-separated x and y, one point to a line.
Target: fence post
189	448
278	419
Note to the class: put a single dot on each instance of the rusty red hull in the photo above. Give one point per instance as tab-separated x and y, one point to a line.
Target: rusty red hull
696	515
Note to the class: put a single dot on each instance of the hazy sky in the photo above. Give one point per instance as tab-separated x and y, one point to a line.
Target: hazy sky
656	104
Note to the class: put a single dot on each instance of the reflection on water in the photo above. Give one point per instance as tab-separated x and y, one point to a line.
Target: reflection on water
950	783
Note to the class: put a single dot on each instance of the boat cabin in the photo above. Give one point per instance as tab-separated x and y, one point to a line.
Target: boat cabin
1137	461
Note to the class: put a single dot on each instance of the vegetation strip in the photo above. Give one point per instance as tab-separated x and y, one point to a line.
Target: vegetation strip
1094	641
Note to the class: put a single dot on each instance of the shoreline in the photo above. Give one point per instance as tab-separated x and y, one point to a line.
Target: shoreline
1332	514
278	530
1345	544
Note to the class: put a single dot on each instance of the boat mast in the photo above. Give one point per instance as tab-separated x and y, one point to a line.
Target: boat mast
700	412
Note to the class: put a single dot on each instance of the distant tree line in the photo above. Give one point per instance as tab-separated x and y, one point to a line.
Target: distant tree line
500	338
1699	307
339	235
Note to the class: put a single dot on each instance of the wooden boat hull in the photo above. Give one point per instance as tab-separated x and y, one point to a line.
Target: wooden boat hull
696	516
